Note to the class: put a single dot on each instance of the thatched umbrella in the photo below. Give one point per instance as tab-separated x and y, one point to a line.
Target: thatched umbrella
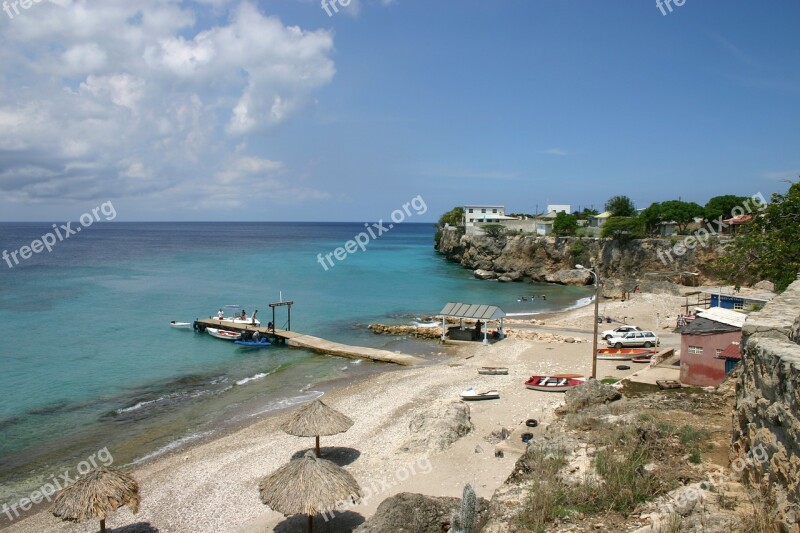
315	419
96	495
308	486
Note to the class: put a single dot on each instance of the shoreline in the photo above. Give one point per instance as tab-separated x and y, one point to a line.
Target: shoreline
210	484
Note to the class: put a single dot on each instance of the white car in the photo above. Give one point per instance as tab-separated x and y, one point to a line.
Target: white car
634	339
619	332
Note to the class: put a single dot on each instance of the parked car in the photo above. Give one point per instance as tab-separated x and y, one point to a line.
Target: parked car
634	339
619	332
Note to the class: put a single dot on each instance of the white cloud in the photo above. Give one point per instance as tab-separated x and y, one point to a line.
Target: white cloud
109	98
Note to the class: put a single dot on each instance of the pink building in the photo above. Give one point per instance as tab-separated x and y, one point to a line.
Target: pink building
703	342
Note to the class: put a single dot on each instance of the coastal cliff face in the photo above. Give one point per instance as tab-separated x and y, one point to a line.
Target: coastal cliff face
767	410
552	259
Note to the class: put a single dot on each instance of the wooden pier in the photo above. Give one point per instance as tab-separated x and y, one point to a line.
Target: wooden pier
309	342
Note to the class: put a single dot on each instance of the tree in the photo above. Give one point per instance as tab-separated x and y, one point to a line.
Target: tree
721	208
565	224
493	230
454	217
651	218
585	213
622	228
768	247
621	206
682	213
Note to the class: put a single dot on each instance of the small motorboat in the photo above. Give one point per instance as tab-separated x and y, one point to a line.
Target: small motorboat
180	325
493	370
224	334
263	343
619	354
553	383
471	395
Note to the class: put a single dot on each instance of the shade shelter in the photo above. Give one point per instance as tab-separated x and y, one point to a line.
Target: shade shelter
308	486
315	419
481	313
96	495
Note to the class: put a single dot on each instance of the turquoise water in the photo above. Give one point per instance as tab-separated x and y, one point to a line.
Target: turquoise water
90	361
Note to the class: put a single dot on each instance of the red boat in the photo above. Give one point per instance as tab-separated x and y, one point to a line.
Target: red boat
554	383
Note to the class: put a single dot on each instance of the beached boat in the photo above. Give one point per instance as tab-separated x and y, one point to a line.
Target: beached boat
553	383
224	334
180	325
471	395
493	370
619	354
642	358
263	343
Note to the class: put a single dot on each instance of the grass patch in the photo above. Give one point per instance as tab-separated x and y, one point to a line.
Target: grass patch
609	380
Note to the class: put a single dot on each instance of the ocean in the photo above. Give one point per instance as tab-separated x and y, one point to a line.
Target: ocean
90	362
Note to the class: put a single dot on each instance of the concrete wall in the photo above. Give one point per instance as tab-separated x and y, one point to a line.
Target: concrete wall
767	408
705	370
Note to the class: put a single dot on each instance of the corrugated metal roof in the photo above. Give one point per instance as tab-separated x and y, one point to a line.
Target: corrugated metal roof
472	311
724	316
733	351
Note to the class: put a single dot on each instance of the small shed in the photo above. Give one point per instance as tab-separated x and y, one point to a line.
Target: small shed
483	314
702	342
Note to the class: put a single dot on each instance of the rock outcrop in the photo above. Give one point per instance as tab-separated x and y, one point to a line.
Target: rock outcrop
539	258
413	331
415	513
438	426
766	438
593	392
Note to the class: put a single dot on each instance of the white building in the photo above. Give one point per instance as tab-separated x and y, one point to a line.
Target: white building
559	208
477	215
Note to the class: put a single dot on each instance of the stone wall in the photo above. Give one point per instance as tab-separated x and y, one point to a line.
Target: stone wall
767	409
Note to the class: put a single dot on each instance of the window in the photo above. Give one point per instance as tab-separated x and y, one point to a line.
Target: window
738	306
483	210
718	351
470	210
494	210
697	350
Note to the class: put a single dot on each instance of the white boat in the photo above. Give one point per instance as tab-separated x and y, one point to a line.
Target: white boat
224	334
180	325
471	395
236	319
493	370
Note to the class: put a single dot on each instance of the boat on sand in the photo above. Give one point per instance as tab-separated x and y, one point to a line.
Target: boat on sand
620	354
471	395
553	383
493	370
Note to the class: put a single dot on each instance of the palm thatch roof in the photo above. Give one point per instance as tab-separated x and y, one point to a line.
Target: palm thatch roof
96	495
308	486
315	419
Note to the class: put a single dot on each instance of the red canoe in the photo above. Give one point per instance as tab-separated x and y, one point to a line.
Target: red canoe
553	383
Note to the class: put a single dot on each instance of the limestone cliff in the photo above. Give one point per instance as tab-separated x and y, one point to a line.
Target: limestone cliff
552	259
767	411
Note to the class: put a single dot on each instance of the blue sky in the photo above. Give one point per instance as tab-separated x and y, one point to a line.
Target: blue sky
273	110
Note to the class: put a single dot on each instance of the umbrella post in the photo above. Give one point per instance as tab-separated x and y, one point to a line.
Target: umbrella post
318	454
102	525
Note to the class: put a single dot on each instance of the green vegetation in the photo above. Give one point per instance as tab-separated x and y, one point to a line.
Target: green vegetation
768	247
565	224
623	228
454	217
721	207
494	230
585	213
621	206
682	213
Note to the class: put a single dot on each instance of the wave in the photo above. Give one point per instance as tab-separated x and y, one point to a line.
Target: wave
290	402
171	446
583	302
255	377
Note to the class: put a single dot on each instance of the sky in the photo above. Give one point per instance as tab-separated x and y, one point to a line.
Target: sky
286	110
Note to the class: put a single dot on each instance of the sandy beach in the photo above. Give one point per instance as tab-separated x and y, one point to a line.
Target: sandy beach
212	486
